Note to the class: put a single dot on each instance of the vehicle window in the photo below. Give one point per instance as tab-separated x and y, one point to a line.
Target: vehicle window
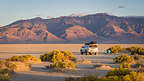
93	46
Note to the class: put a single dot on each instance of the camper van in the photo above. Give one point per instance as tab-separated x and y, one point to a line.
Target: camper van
89	48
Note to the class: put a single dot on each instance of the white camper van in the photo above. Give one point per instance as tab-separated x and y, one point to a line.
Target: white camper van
89	48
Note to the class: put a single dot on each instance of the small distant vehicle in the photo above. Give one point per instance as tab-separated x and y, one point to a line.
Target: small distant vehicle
90	48
107	51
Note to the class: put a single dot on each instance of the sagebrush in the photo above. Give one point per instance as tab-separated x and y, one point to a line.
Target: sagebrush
59	59
124	58
115	49
136	50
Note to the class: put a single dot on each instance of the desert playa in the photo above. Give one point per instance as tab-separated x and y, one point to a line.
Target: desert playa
38	72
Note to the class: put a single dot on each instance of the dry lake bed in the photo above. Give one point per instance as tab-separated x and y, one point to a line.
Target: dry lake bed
38	71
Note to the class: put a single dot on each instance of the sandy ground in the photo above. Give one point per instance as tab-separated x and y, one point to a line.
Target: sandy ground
38	71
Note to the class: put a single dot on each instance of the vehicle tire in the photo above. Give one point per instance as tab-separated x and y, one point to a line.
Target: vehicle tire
96	53
90	53
86	52
81	53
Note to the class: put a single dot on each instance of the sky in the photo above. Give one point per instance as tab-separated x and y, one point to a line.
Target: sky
13	10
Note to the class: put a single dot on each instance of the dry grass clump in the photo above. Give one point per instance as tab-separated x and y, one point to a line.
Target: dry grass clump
103	67
7	65
139	63
25	58
12	66
22	63
99	66
138	57
21	66
84	61
6	69
60	59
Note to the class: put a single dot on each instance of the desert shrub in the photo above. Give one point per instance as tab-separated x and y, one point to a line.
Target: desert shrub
130	76
68	54
125	65
133	50
118	72
140	51
138	57
6	68
134	76
57	54
59	59
115	49
124	58
95	78
21	66
4	77
67	64
136	50
14	58
46	57
25	58
139	63
86	78
140	69
7	65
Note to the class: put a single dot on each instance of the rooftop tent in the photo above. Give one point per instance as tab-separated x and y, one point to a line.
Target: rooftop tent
93	42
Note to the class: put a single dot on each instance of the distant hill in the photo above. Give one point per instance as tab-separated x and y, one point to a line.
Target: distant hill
101	27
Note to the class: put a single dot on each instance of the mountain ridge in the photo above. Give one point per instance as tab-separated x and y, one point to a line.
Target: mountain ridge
101	27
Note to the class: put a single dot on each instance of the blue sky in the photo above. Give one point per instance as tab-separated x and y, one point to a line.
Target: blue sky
12	10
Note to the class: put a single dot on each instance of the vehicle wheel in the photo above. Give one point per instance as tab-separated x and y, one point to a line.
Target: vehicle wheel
81	53
86	52
90	53
96	53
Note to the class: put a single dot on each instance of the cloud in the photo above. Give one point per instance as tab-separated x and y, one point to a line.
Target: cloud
121	6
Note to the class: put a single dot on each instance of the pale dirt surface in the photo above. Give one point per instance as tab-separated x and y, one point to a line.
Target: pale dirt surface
40	73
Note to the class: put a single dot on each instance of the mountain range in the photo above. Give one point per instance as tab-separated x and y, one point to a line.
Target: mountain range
100	27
